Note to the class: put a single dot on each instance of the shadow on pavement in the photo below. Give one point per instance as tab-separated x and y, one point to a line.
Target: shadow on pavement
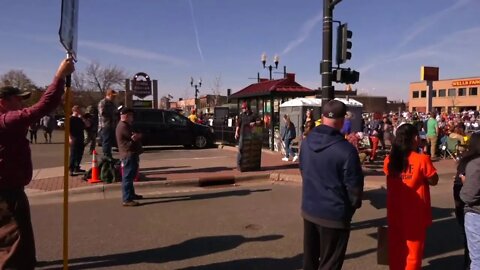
368	172
359	253
167	199
279	167
450	262
194	170
188	249
254	264
149	169
443	237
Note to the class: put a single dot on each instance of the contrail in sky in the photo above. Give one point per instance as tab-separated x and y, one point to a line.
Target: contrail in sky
131	52
304	32
417	29
196	31
430	21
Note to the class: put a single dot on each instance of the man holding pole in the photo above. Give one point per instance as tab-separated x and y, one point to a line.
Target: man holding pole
16	234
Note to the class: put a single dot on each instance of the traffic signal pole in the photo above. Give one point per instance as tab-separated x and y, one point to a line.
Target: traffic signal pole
327	91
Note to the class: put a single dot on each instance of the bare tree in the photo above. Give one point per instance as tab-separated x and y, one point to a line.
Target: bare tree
79	82
16	78
103	78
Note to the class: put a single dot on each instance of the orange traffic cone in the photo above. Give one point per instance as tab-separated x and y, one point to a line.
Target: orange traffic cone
95	178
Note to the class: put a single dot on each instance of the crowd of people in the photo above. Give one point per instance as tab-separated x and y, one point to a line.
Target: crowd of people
332	181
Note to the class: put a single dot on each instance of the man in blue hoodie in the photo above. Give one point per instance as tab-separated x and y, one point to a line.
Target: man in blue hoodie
332	190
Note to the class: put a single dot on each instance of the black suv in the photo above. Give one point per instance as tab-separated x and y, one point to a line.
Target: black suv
165	127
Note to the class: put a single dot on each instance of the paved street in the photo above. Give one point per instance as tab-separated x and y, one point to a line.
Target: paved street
253	226
51	155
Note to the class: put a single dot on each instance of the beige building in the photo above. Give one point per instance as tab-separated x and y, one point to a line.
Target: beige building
453	95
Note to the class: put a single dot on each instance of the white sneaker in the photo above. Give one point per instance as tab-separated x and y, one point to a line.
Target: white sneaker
295	158
285	159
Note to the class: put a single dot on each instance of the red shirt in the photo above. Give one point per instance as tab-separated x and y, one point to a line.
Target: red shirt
408	194
15	156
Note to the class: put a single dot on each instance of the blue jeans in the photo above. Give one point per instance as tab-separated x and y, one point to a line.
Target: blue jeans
288	149
472	230
240	149
130	169
108	139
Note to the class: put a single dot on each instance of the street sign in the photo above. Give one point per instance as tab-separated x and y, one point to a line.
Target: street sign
429	73
68	26
141	88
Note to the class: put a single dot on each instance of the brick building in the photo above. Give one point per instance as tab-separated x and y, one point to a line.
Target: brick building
452	95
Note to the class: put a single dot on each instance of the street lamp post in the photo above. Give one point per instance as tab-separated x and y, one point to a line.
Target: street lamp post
196	86
276	59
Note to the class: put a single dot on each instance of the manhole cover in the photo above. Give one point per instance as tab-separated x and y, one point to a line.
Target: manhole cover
253	227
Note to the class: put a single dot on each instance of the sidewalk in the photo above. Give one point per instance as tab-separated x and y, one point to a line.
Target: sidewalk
186	171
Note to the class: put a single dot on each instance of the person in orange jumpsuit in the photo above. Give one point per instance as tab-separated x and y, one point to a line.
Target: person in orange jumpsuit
409	175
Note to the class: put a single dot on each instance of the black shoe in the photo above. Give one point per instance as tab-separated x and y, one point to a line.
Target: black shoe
137	197
79	170
130	203
72	174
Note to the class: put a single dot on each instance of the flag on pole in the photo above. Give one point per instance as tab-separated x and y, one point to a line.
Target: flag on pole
68	26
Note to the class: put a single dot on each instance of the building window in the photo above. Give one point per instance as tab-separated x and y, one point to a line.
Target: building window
441	92
462	92
472	91
452	92
415	94
423	94
434	93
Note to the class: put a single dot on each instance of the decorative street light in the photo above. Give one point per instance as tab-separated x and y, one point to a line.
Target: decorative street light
196	86
276	59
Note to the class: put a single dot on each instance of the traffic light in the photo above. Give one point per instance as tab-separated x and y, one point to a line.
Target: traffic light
343	44
347	76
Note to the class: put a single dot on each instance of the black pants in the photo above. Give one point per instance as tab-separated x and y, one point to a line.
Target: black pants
323	248
17	244
76	154
460	215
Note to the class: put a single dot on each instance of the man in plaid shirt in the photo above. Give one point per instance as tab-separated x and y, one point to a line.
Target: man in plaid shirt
107	121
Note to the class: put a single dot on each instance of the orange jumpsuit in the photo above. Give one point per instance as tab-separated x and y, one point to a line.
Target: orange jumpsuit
408	212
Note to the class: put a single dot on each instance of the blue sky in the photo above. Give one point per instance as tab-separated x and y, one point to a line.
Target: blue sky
173	40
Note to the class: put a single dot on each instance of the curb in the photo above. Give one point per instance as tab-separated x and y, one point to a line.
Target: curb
107	190
292	178
102	191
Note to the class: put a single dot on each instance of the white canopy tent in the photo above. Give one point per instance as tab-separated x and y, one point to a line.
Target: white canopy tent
296	109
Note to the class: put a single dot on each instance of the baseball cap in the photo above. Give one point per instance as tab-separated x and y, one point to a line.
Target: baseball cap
334	109
244	105
8	91
125	110
111	92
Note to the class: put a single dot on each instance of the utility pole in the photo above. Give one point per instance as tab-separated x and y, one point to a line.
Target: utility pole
327	91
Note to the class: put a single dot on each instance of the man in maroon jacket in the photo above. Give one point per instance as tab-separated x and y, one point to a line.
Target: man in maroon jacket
17	245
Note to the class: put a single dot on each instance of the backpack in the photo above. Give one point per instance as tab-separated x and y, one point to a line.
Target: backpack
110	171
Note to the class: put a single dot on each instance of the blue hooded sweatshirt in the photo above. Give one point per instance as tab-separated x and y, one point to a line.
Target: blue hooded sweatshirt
332	178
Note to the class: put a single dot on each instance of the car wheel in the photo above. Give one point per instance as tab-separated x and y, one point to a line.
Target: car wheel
200	141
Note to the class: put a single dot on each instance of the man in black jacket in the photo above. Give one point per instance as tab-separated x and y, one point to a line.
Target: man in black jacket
332	190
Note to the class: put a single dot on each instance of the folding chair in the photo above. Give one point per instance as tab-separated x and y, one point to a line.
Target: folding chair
450	148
